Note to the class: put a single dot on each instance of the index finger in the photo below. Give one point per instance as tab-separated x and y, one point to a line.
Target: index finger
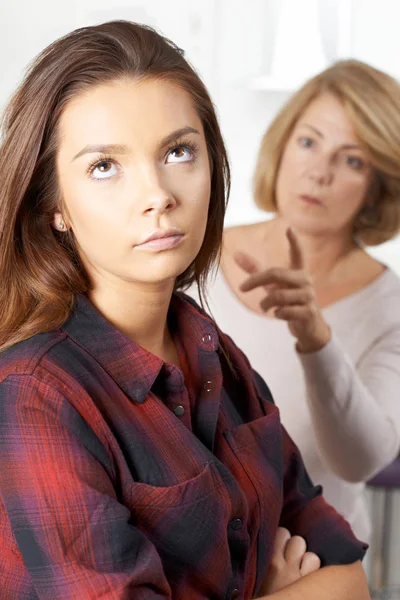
275	276
296	252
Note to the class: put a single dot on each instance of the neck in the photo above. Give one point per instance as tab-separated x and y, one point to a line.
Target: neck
323	253
139	311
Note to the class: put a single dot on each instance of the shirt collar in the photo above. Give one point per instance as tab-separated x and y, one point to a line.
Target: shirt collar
132	367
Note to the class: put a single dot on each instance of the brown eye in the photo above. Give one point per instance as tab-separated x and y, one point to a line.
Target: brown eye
103	169
180	154
105	166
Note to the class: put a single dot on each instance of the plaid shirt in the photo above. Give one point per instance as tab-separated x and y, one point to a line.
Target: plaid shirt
125	477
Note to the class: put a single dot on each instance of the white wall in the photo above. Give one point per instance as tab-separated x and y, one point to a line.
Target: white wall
231	43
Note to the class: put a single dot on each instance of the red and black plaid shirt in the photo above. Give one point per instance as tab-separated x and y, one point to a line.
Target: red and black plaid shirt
125	477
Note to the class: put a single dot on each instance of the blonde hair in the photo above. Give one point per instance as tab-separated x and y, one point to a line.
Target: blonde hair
371	100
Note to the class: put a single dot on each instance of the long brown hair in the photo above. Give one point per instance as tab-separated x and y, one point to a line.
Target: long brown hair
40	270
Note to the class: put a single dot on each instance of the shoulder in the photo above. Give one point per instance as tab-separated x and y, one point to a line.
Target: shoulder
54	373
371	317
391	283
384	292
388	300
43	388
24	357
51	363
239	233
31	374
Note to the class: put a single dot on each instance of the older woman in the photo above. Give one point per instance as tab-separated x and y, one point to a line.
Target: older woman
319	317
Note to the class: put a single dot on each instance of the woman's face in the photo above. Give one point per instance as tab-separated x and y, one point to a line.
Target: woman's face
133	165
324	173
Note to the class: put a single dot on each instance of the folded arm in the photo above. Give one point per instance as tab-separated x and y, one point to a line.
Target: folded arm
342	582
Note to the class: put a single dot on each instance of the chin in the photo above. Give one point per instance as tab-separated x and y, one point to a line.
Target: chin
308	223
162	273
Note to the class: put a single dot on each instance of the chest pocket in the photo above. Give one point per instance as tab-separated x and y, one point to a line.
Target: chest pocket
187	523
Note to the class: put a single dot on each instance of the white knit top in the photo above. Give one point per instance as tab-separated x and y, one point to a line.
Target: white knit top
340	405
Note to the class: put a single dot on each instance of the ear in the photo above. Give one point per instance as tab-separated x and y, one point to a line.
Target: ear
58	222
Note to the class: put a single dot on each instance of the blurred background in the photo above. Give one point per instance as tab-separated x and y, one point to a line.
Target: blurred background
251	54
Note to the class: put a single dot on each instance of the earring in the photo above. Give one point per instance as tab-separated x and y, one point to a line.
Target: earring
61	226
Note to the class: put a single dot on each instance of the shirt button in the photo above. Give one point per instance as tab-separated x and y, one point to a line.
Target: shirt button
208	386
206	339
179	410
237	524
234	594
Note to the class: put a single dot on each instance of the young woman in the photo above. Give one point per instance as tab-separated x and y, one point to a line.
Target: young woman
141	456
316	314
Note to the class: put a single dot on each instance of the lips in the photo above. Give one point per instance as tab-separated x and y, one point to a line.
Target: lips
310	200
162	240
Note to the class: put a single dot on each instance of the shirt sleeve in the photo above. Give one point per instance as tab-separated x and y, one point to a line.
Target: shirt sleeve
348	403
75	537
305	511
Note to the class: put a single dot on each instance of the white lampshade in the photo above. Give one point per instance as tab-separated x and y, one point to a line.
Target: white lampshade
298	52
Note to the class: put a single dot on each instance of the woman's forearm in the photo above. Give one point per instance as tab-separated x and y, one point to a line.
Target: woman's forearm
347	404
341	582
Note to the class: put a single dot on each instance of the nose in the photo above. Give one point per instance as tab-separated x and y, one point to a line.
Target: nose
321	171
155	196
158	202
